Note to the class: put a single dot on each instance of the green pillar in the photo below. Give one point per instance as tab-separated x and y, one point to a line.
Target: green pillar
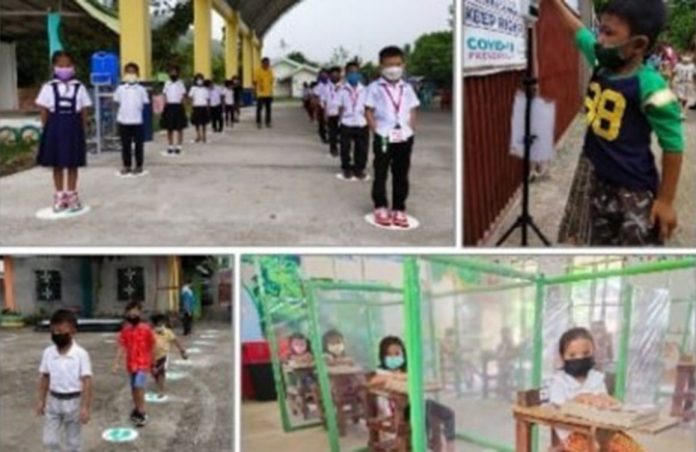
624	340
414	344
538	350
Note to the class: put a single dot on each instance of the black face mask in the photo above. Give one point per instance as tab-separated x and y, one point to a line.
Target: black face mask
174	77
579	367
133	320
61	340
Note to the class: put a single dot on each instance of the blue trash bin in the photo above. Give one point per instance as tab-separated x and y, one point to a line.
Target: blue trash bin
247	97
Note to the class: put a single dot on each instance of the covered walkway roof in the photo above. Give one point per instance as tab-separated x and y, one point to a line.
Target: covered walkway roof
26	18
260	15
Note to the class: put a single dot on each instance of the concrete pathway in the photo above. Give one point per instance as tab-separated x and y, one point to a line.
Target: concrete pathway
247	187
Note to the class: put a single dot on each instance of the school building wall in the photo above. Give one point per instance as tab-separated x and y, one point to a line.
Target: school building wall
491	176
104	284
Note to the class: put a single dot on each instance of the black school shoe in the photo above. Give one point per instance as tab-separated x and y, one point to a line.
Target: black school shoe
137	171
347	174
360	175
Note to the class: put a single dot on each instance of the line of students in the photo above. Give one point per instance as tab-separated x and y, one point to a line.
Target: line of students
347	111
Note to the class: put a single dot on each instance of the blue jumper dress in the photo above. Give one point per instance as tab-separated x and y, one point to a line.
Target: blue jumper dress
63	142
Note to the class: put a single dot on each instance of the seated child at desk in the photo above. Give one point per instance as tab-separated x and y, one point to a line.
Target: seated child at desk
301	355
581	382
392	366
335	349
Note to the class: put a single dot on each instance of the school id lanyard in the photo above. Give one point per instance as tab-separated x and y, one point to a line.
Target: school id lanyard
395	103
354	96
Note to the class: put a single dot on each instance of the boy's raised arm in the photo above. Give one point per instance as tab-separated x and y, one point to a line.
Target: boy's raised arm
568	17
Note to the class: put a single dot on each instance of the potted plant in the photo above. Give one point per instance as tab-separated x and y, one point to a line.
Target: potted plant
11	319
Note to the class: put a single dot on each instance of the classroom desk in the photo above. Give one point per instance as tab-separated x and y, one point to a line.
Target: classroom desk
526	417
297	372
397	424
347	390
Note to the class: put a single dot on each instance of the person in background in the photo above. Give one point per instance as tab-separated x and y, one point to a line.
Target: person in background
684	77
131	98
330	104
64	104
173	118
354	130
263	82
188	300
200	99
65	385
237	90
164	338
215	93
319	113
307	100
228	99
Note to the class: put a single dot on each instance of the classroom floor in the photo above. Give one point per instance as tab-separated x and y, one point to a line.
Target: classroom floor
198	415
245	187
549	195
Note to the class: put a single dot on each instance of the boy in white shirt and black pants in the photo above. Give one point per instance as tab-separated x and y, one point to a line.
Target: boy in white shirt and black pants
354	130
215	105
391	114
131	97
319	113
65	385
330	104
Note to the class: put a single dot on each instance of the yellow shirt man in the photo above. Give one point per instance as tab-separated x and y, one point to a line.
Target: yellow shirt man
263	81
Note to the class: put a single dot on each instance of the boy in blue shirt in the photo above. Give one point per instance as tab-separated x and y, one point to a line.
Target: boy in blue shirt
626	101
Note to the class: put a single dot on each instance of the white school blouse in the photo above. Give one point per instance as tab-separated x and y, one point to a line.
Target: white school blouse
215	96
131	98
331	100
174	92
228	94
352	101
46	97
384	98
200	96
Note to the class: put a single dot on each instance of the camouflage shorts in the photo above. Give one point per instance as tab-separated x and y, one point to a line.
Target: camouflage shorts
621	217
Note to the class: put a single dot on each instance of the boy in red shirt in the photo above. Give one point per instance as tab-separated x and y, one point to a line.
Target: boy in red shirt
136	341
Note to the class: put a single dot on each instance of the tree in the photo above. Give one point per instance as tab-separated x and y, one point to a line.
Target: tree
300	57
681	28
164	38
432	58
339	56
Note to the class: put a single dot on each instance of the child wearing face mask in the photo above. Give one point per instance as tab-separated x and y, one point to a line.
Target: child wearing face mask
136	342
579	381
392	366
684	76
64	103
173	118
319	112
164	338
627	101
391	105
200	99
354	130
65	384
131	97
335	349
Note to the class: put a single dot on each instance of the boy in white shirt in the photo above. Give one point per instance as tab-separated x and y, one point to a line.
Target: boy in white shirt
65	385
330	105
200	98
354	130
173	118
131	97
215	105
391	114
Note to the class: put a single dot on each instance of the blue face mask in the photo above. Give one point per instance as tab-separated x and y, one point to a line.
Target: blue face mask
394	362
323	78
353	78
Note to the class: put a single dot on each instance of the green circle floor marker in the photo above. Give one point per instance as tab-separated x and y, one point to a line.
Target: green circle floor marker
120	435
152	397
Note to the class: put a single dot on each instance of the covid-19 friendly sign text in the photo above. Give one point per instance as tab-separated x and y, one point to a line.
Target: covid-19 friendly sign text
494	36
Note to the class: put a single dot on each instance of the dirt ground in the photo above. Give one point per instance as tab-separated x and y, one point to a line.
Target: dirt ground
197	415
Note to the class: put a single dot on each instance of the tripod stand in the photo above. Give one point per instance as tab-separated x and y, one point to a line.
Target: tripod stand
524	220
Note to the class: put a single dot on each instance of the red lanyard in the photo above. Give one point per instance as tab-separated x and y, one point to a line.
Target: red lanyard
394	102
354	95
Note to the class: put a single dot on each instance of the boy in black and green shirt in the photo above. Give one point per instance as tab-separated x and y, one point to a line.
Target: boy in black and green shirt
626	101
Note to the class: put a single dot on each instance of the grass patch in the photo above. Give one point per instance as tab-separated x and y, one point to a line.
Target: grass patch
16	157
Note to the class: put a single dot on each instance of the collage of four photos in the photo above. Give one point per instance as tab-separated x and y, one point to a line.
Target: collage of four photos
368	225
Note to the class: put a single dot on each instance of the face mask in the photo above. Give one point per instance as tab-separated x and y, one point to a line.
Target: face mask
323	79
299	349
61	340
353	78
579	367
130	78
393	73
394	362
611	57
174	77
336	349
64	73
199	82
133	319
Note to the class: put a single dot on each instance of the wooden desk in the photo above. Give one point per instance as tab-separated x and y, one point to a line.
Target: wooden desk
526	417
298	393
347	392
395	425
